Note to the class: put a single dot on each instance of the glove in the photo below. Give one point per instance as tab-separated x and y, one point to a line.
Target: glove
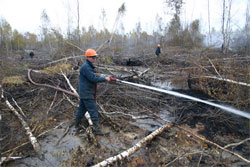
112	79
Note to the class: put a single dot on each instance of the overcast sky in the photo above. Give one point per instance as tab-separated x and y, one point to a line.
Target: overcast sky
24	15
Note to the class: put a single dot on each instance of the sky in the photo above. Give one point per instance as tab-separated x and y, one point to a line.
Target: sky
24	15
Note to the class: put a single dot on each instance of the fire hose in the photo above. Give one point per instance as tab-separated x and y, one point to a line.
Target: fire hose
50	86
225	108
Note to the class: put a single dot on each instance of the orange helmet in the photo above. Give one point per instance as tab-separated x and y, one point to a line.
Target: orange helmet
90	52
158	45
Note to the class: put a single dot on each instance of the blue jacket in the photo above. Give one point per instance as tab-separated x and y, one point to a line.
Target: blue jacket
158	51
88	81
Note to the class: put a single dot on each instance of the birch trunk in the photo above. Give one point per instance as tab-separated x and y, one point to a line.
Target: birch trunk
228	80
32	138
133	149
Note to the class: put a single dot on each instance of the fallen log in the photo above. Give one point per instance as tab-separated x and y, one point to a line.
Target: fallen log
133	149
32	138
89	130
42	134
5	160
227	80
71	87
214	68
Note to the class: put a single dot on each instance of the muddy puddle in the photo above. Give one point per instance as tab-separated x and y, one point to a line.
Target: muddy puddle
150	123
57	155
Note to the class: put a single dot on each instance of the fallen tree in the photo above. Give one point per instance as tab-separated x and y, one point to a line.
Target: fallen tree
32	138
90	128
133	149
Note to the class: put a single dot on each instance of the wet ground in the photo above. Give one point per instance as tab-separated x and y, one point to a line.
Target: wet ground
172	144
133	113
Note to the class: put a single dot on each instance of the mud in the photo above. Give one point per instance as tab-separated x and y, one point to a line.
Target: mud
133	113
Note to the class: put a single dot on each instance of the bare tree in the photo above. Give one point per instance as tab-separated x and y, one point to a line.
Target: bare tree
5	35
208	14
78	24
103	19
69	20
247	27
223	24
45	29
226	24
247	15
159	29
120	14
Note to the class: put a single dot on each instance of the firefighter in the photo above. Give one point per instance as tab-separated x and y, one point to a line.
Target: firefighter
222	47
31	54
87	92
158	50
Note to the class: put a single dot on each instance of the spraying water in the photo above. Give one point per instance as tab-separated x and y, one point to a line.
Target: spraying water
229	109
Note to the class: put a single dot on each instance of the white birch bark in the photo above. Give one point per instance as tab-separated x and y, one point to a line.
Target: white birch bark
32	138
133	149
74	93
228	80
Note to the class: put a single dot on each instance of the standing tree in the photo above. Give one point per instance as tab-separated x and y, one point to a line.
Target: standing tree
17	41
208	14
45	29
175	24
30	40
247	28
78	24
158	34
120	14
6	35
241	39
196	35
104	35
103	19
226	24
69	20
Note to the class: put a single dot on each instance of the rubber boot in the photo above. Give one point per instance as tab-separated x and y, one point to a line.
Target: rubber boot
84	122
97	130
77	125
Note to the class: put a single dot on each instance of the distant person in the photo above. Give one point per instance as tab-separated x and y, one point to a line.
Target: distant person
32	54
222	47
158	50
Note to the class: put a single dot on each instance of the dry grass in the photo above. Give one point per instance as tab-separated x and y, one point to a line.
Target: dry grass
57	68
17	80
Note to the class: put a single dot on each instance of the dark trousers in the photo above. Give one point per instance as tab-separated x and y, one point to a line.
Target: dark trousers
90	106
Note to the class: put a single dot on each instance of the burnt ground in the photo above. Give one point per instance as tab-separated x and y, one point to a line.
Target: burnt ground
49	110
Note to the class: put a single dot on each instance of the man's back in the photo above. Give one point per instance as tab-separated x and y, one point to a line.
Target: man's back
158	51
88	80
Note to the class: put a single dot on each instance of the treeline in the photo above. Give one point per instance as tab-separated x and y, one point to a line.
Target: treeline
175	33
52	40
